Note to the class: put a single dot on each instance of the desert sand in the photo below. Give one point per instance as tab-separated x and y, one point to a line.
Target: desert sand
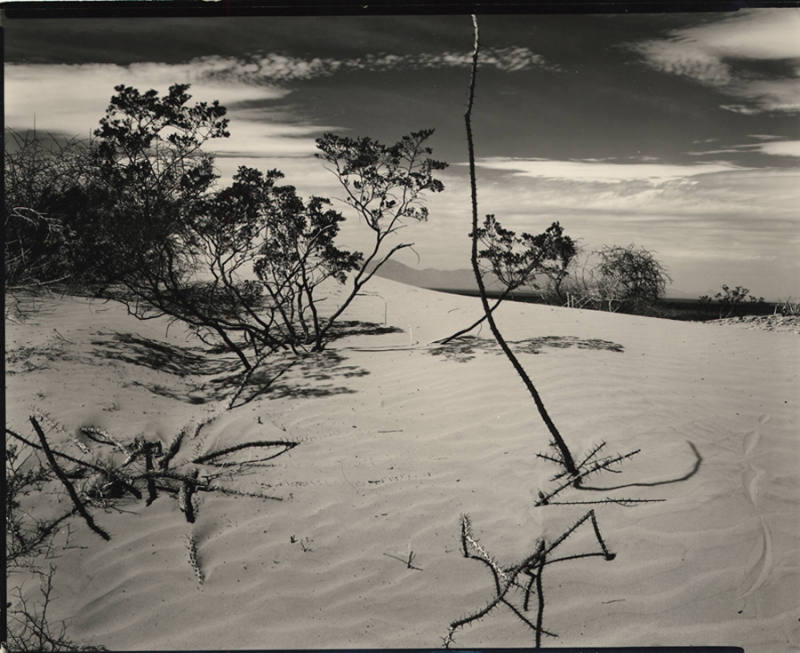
397	439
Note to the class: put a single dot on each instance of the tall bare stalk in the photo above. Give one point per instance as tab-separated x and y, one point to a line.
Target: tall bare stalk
566	456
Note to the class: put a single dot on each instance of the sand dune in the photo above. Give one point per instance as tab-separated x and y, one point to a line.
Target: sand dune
397	439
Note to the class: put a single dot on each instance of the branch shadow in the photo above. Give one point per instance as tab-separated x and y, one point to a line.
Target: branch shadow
346	328
678	479
159	355
310	375
465	348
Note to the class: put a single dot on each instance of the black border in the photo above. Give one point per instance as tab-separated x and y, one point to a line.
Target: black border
63	9
220	8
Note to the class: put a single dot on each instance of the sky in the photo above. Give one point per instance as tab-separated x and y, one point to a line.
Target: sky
677	132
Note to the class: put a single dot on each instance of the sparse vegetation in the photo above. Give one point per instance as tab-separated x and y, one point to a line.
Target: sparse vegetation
33	541
138	208
41	175
627	275
787	307
247	267
125	472
29	627
516	260
731	299
628	278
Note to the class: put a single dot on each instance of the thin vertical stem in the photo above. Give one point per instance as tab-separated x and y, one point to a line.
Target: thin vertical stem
566	455
540	594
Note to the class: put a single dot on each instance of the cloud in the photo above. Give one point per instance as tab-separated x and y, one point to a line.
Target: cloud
275	67
781	148
71	99
602	171
708	54
728	216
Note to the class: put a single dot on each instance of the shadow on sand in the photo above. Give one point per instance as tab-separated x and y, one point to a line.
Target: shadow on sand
159	355
316	374
464	349
310	375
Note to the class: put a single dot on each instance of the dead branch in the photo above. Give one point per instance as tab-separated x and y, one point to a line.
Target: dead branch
65	481
259	443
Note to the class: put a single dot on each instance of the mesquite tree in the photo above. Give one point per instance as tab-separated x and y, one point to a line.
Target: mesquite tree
297	255
516	260
155	175
629	277
731	298
384	185
242	263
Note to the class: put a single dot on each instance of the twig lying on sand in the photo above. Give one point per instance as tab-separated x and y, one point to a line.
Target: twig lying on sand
112	474
409	561
66	483
287	444
506	578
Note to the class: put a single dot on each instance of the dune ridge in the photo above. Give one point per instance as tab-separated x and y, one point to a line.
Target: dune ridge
398	438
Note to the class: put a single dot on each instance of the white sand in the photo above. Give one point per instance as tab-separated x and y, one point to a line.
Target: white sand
396	442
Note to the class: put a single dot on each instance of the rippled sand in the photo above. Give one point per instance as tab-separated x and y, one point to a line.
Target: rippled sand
399	438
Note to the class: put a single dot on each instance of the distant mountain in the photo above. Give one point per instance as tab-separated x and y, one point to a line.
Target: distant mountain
464	280
432	278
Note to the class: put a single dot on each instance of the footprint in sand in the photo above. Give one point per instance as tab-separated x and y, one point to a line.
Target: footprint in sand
759	570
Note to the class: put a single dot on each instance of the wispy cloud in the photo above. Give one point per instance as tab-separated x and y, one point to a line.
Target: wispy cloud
275	67
708	54
738	218
67	97
781	148
605	172
72	98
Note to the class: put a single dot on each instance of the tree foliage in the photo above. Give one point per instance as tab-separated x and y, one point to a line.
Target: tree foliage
39	236
516	259
385	186
152	178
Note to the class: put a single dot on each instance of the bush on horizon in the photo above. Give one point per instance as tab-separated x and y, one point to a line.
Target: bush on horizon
730	299
617	278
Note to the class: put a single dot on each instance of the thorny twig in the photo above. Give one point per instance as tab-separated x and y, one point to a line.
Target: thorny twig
505	578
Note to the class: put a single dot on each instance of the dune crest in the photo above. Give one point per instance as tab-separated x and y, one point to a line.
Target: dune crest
396	440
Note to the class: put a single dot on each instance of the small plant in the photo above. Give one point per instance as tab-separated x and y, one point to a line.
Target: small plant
516	260
121	476
730	299
788	307
26	536
29	540
408	560
191	547
29	628
304	542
